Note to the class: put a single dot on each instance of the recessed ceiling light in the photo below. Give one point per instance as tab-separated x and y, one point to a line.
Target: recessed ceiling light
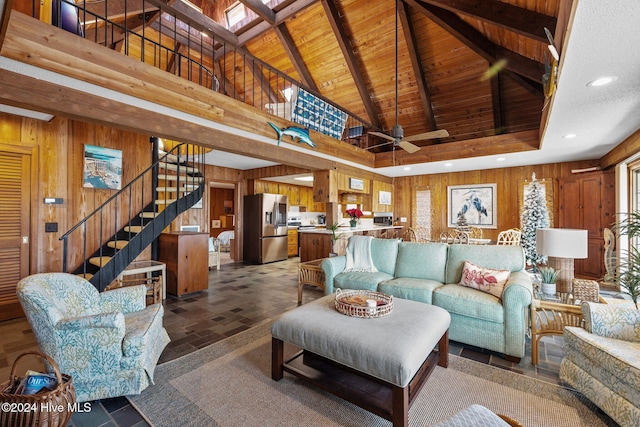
448	165
501	159
407	168
304	178
601	81
570	135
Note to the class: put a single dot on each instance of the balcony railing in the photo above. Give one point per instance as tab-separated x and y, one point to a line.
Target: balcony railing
154	33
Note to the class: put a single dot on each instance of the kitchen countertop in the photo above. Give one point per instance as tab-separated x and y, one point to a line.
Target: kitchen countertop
349	229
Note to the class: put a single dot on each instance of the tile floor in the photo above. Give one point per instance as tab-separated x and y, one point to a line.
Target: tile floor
239	296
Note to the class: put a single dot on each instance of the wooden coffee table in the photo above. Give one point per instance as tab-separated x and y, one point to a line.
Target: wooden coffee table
364	361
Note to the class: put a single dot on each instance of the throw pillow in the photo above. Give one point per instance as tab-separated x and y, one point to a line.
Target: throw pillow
483	279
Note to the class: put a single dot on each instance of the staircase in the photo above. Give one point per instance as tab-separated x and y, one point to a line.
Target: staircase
111	237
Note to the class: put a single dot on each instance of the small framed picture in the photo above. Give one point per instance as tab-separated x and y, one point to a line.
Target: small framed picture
356	184
384	197
215	223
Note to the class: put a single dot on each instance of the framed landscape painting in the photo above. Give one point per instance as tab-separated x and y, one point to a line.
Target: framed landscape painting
476	202
102	168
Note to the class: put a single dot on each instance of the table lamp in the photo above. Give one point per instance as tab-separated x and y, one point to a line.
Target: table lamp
562	246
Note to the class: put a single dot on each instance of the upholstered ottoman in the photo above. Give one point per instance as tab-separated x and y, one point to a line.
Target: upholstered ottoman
351	357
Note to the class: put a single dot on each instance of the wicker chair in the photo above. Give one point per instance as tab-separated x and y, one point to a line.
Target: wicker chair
455	236
509	237
475	232
418	234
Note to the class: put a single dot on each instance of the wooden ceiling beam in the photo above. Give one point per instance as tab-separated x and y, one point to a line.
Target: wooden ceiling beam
513	18
342	38
486	146
416	64
281	16
475	41
187	13
262	10
294	56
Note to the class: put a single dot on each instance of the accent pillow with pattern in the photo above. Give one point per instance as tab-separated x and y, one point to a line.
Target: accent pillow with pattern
484	279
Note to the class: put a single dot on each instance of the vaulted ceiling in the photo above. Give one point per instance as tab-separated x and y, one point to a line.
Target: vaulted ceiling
471	67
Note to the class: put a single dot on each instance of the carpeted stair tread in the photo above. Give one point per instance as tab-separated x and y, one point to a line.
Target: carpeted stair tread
99	261
149	214
119	244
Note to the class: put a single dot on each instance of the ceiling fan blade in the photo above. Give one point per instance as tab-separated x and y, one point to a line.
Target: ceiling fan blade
408	147
428	135
382	135
380	145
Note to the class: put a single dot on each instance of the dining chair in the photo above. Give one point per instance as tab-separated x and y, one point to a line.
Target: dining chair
509	237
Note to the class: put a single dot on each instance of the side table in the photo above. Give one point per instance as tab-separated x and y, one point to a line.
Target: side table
550	318
310	273
157	285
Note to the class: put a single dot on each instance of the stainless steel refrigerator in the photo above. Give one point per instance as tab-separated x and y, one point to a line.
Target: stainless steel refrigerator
265	228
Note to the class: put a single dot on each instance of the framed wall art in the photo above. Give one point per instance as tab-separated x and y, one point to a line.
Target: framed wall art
102	168
356	184
476	202
384	197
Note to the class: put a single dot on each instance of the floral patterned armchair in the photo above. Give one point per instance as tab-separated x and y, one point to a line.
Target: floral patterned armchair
602	361
108	342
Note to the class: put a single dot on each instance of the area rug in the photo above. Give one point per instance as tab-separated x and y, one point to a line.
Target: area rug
229	384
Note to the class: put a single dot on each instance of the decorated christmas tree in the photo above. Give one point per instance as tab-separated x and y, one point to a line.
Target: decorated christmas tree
534	215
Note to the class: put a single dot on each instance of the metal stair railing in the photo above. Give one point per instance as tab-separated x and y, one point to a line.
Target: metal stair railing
134	217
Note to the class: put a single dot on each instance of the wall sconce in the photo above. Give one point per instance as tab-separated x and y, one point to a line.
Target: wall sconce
562	246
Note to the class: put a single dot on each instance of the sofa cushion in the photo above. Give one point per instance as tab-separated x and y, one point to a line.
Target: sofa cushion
360	280
469	302
483	279
495	257
384	253
421	260
410	288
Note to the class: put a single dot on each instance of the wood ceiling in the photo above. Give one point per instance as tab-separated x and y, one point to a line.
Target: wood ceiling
345	49
472	67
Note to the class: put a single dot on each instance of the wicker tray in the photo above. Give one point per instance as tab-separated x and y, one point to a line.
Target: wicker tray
353	303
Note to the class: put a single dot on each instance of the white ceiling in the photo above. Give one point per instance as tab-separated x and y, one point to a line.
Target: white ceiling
603	40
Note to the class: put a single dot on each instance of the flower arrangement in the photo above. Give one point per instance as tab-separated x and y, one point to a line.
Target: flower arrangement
354	213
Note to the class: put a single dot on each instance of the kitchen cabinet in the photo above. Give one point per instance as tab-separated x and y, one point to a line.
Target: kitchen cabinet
315	246
376	205
587	202
186	255
292	242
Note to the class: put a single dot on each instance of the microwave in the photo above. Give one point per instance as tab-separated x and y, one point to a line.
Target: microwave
383	220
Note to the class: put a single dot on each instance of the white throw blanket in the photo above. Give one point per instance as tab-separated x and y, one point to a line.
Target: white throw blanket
359	254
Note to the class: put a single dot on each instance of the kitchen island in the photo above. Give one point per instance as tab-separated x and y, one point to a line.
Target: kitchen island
317	243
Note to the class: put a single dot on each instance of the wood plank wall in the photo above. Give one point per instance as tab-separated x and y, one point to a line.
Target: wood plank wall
60	145
508	180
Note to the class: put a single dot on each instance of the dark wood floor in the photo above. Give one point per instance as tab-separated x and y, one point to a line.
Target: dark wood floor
240	296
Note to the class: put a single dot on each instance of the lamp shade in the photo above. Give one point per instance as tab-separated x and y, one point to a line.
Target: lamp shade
562	242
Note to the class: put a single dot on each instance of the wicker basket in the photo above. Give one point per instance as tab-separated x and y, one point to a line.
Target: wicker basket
51	409
352	303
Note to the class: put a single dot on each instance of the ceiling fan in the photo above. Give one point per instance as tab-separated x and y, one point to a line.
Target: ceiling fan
396	136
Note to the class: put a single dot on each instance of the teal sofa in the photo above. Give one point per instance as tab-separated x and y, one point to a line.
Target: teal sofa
430	273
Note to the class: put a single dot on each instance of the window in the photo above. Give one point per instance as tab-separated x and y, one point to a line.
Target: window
235	14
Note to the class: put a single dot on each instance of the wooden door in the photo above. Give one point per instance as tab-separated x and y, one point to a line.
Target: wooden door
15	194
